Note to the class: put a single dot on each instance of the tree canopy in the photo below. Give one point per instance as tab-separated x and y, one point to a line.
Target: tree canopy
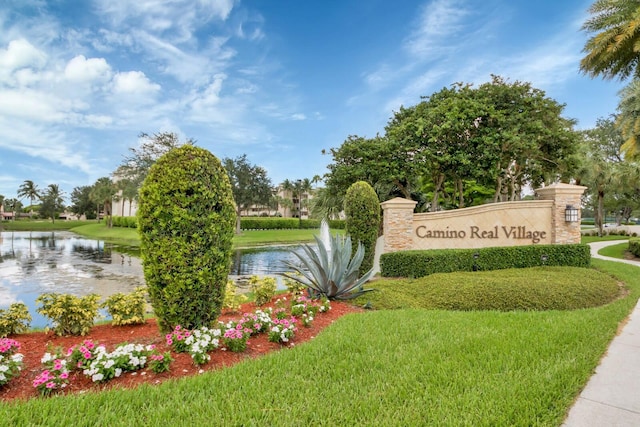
613	51
500	135
249	183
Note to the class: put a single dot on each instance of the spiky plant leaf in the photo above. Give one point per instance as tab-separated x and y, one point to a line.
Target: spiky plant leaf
330	271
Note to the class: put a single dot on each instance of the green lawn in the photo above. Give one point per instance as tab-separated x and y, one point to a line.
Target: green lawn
409	366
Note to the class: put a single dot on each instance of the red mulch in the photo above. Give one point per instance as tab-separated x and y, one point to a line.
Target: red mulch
34	345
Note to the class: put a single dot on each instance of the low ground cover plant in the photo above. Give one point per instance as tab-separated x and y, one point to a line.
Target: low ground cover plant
263	289
70	315
127	309
14	320
10	360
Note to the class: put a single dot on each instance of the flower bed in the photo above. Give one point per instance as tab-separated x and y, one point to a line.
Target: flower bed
34	346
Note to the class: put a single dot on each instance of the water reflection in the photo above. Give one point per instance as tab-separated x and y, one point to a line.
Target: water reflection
263	261
33	263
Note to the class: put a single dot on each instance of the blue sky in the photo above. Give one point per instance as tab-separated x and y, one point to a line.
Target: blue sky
277	80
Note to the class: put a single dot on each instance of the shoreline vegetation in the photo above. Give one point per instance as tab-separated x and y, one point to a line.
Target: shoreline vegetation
129	236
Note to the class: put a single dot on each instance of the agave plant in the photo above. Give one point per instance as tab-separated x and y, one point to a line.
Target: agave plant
331	271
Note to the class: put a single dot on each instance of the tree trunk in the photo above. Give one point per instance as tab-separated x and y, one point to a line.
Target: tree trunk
496	195
436	193
600	212
460	194
238	221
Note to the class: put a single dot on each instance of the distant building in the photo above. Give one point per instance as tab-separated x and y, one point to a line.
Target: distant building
288	206
5	215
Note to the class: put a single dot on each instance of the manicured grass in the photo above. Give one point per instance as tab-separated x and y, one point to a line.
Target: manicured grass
590	239
388	367
40	225
615	251
248	238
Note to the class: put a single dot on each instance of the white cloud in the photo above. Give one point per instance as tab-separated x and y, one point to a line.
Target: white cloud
134	82
20	54
83	70
298	116
438	20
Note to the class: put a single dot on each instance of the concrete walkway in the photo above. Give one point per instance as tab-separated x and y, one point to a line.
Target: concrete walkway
612	395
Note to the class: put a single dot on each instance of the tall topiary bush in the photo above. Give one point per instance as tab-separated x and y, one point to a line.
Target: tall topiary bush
362	210
186	221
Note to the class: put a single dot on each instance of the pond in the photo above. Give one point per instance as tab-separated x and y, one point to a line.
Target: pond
33	263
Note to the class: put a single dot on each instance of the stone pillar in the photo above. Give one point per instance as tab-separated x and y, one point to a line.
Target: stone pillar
563	195
397	225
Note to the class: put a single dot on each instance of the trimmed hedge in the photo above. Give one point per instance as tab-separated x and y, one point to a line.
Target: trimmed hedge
425	262
634	246
124	221
278	223
254	223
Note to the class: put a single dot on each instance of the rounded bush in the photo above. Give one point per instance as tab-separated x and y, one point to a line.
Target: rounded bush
362	210
186	220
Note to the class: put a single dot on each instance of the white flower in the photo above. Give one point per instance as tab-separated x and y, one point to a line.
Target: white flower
118	372
47	358
4	368
97	377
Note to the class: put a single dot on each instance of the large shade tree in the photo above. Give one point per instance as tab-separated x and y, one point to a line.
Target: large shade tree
249	183
459	142
52	202
136	165
81	203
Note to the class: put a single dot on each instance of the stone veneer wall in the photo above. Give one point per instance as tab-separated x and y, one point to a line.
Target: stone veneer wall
397	224
562	196
400	224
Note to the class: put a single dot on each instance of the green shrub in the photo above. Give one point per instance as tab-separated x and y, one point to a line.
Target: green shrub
263	288
278	223
70	315
124	221
537	288
362	209
126	309
422	263
634	246
14	320
186	221
232	300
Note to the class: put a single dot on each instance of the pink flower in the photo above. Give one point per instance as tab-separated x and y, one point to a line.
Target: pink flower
51	385
64	375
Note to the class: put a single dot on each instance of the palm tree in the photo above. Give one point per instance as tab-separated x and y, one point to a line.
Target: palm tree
102	193
30	190
129	192
600	165
614	51
628	120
